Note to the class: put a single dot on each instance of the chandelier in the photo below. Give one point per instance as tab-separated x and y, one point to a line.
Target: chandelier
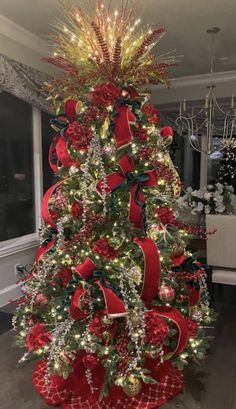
210	119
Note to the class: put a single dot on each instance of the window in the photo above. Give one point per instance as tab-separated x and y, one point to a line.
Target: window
17	212
187	161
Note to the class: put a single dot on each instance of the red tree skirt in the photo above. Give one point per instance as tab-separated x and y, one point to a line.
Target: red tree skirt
74	392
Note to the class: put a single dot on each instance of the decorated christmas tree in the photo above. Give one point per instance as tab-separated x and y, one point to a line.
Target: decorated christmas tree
227	170
115	306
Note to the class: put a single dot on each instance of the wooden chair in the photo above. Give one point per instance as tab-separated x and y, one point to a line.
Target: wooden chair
221	248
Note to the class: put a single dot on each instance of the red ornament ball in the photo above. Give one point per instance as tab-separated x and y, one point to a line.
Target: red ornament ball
166	294
60	200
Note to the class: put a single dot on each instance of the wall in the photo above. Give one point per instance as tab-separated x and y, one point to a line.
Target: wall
9	286
194	88
23	46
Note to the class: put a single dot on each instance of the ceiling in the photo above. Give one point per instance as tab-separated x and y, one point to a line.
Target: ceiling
185	20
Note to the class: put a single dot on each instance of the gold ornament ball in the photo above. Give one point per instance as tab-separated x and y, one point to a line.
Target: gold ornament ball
154	232
132	386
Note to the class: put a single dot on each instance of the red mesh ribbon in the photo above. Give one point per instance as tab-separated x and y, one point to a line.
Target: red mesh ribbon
152	268
120	179
114	305
122	122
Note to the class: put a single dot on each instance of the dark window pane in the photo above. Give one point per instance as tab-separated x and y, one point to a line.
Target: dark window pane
16	168
187	161
47	135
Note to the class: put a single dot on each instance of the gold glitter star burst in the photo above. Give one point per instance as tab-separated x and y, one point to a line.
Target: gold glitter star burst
106	46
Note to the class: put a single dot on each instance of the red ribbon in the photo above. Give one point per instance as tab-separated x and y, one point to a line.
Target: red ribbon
122	122
152	268
175	316
44	249
52	157
45	212
114	305
59	146
70	108
116	179
63	155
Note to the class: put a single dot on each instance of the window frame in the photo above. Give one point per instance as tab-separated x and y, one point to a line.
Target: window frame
28	241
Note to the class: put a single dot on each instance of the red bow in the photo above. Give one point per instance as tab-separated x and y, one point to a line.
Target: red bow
122	122
135	183
114	305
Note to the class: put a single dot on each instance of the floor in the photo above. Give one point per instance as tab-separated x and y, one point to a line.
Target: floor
211	386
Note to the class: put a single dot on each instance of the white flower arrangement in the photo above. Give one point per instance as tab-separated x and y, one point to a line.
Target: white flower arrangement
214	199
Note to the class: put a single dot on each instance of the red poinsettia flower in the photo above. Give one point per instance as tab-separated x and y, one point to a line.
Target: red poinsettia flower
194	295
90	360
96	325
77	209
152	113
104	249
165	215
94	113
104	94
99	326
141	134
65	275
192	327
156	328
41	299
38	337
79	135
